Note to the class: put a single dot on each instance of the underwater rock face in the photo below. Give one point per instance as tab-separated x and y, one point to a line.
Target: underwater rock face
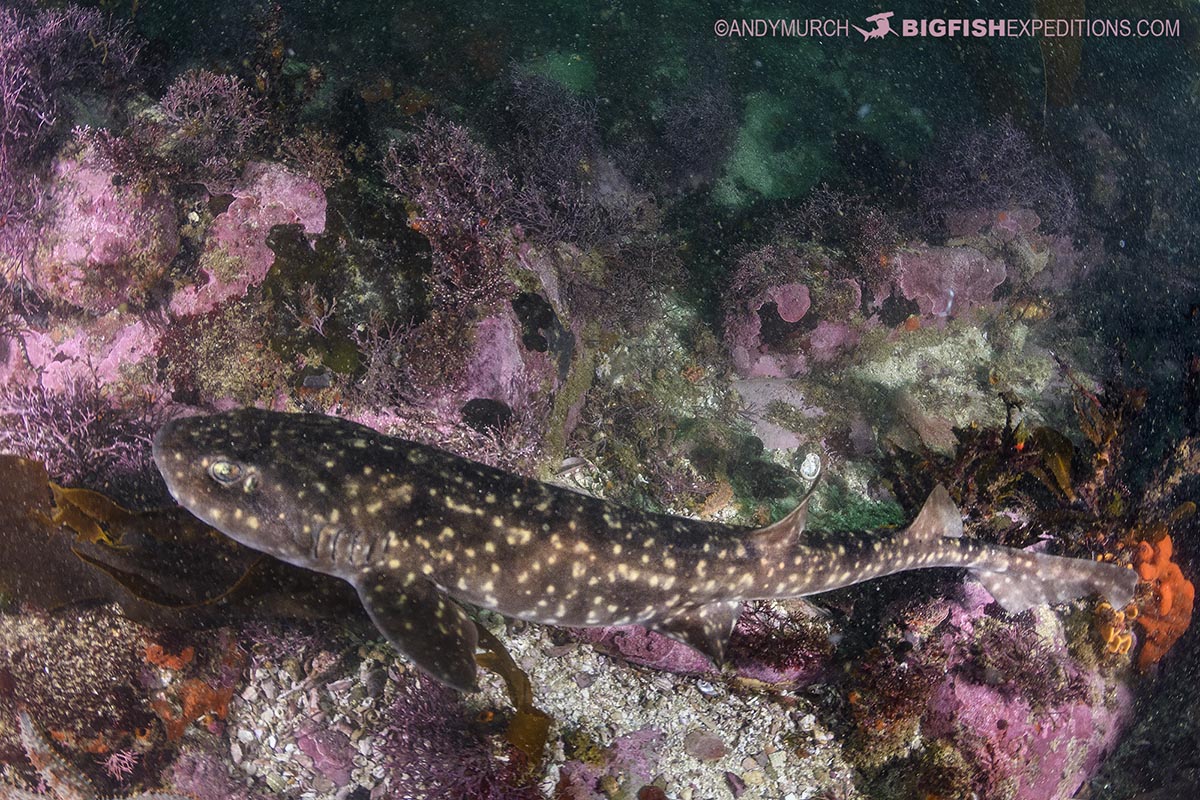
1037	729
791	308
98	350
500	369
237	256
947	281
1035	258
106	244
1047	755
759	395
751	355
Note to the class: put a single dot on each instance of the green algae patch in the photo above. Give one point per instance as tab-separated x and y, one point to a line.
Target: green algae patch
840	509
567	401
573	70
758	168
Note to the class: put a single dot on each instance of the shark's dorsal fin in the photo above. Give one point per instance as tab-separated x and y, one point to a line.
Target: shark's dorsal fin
706	628
422	623
939	518
782	535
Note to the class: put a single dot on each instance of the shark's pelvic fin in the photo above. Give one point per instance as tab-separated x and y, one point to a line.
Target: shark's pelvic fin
706	628
423	624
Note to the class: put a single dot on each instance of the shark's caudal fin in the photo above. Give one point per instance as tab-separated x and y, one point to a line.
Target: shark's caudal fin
1019	580
1031	579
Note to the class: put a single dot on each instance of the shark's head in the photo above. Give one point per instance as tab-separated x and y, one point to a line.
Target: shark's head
269	481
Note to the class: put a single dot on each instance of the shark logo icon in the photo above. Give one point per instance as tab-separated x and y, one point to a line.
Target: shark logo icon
883	25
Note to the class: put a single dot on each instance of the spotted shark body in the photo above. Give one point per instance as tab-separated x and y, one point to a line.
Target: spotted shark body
416	529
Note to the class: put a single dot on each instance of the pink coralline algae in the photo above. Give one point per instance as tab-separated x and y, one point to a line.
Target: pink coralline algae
632	761
81	437
500	369
43	55
481	373
431	748
106	245
211	122
646	648
237	256
752	356
765	646
947	281
759	394
120	764
1031	755
206	777
331	751
100	351
789	309
1042	261
1032	721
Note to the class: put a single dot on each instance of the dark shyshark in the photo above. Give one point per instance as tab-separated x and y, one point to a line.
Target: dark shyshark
418	530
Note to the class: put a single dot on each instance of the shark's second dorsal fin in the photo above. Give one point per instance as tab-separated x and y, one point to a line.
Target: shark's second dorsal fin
939	518
423	624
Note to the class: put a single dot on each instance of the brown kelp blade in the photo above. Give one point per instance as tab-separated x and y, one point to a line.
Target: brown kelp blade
62	546
530	727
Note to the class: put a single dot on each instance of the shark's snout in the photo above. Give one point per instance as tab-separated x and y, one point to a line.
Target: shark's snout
177	454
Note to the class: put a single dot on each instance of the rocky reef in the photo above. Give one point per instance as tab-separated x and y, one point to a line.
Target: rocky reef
647	273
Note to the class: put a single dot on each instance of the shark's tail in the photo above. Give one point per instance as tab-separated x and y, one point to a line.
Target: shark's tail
1019	579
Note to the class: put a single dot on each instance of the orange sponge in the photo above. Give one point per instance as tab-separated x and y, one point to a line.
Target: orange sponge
1168	612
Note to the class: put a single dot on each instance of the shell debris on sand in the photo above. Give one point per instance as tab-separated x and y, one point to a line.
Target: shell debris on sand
622	699
295	705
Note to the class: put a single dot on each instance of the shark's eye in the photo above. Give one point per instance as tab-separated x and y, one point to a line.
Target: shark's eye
226	473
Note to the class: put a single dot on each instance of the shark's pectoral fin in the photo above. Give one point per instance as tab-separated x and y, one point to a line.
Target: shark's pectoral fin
423	624
706	628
